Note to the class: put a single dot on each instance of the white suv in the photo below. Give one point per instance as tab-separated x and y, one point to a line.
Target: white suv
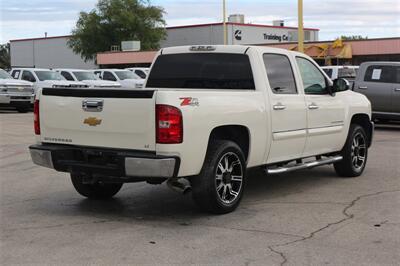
44	78
87	77
126	78
15	93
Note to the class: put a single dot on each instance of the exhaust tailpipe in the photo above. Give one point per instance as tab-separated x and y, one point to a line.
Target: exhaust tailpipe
181	185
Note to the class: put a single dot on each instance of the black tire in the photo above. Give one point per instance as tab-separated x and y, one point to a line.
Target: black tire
95	191
352	165
209	187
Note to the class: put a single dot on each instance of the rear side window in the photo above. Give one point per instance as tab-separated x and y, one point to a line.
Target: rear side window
15	74
382	74
280	74
202	71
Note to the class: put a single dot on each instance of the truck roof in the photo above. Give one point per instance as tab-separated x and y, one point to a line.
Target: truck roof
239	49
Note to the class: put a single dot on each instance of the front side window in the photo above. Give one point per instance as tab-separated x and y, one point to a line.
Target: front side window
109	76
313	80
280	74
67	75
382	74
48	75
140	73
202	71
28	76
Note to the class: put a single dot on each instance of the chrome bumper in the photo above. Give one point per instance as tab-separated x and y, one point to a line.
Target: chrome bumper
107	162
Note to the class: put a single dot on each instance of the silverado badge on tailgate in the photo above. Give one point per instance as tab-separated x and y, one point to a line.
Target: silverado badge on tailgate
92	121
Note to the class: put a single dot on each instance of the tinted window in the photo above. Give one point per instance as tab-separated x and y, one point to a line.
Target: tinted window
280	74
202	71
15	74
108	76
328	71
140	73
384	74
313	80
27	75
67	75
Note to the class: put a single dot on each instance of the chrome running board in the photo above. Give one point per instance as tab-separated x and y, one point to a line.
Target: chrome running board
279	170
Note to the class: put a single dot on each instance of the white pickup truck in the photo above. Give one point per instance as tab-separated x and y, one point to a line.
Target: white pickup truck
206	114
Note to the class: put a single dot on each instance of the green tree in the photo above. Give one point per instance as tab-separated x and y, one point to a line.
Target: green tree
353	37
5	56
113	21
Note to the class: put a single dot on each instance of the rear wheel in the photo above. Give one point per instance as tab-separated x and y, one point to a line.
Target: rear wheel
95	191
355	153
220	185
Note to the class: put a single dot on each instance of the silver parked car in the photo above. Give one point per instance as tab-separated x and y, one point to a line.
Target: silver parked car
380	82
18	94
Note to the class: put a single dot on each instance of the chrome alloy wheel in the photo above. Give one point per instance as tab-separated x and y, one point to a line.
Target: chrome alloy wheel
229	178
358	151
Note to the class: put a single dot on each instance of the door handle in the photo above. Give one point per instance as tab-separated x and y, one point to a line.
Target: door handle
397	89
92	105
313	106
279	106
363	88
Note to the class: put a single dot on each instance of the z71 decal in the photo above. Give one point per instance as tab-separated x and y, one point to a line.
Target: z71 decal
189	101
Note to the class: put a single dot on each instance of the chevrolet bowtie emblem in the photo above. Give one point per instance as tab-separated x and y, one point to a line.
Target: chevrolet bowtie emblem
92	121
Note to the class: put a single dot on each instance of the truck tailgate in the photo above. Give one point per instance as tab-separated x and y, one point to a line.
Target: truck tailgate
98	118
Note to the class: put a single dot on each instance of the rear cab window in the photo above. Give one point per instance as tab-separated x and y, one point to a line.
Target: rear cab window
202	71
328	71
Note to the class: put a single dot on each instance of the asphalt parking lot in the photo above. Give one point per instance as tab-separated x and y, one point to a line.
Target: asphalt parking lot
309	217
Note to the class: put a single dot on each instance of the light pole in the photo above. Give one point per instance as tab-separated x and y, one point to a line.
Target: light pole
224	22
300	31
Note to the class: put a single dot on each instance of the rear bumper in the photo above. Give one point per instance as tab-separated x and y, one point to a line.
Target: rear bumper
104	162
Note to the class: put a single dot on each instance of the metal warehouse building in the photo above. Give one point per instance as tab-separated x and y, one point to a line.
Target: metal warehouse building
53	52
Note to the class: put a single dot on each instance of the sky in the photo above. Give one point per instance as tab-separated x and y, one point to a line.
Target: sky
21	19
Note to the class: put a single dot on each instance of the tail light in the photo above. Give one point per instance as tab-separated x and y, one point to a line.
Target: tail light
36	120
169	124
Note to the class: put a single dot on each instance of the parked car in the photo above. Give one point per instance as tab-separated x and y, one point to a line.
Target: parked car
126	78
15	93
380	82
347	72
207	114
44	78
87	77
140	71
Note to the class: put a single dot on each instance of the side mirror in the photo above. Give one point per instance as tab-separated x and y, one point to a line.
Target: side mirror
340	84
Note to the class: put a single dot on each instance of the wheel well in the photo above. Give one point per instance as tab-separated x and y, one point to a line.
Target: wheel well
236	133
364	121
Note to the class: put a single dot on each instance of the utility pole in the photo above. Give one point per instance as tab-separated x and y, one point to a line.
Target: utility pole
224	22
300	31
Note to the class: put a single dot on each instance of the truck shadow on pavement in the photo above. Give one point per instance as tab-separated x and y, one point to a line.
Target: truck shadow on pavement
159	203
